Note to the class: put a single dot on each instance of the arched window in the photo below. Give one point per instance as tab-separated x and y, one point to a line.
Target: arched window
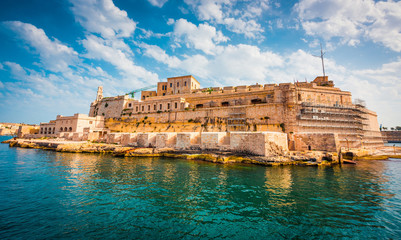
185	83
61	129
65	129
70	129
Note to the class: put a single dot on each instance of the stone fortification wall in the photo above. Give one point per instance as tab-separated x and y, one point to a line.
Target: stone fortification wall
201	125
108	107
316	141
391	136
260	143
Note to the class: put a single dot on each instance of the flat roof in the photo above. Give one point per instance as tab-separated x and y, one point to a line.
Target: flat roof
190	76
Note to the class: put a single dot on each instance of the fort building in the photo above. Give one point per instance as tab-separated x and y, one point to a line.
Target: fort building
305	111
295	116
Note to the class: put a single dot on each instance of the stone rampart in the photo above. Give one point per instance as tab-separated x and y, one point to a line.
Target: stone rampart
316	141
187	140
166	140
258	143
214	140
146	139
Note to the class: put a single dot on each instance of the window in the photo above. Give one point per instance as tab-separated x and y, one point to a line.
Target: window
176	105
161	106
154	107
178	84
199	105
129	104
148	107
65	129
137	108
164	94
70	129
224	104
168	105
61	129
185	83
143	108
171	84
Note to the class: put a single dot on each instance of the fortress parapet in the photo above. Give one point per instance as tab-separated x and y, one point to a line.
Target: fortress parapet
315	108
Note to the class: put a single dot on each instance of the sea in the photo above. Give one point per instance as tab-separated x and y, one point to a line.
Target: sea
52	195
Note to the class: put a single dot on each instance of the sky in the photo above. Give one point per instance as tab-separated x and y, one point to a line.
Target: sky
55	53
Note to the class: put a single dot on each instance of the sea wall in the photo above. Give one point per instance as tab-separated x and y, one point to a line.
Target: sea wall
254	143
391	136
316	141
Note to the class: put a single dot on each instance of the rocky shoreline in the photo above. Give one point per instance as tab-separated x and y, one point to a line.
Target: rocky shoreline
310	158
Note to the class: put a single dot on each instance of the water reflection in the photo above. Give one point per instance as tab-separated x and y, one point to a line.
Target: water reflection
93	196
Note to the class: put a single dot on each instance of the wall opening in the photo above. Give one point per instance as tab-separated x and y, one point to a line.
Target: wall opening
256	101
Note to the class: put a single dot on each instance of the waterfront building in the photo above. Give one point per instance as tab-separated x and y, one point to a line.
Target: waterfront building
315	115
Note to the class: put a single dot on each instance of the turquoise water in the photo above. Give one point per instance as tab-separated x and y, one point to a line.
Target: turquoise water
47	195
393	144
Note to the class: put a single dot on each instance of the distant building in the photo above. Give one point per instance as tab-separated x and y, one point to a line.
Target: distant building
79	123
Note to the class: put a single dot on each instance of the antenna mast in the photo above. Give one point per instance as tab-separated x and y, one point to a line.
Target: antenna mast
322	57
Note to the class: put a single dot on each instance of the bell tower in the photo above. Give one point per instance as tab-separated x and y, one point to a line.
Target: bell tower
99	95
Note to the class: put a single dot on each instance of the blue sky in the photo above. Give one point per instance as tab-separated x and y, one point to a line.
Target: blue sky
55	53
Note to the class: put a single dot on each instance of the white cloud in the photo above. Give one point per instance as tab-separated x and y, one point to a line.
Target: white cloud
1	66
98	49
103	17
234	16
160	55
353	20
54	55
211	10
249	28
157	3
204	37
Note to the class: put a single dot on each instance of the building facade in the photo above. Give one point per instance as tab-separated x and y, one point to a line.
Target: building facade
303	110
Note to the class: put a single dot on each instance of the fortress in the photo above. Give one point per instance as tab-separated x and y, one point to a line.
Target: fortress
310	115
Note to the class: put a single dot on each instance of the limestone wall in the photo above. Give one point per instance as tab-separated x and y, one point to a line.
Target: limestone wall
258	143
391	136
187	140
316	141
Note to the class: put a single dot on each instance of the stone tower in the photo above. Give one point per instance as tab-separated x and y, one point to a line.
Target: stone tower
99	95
